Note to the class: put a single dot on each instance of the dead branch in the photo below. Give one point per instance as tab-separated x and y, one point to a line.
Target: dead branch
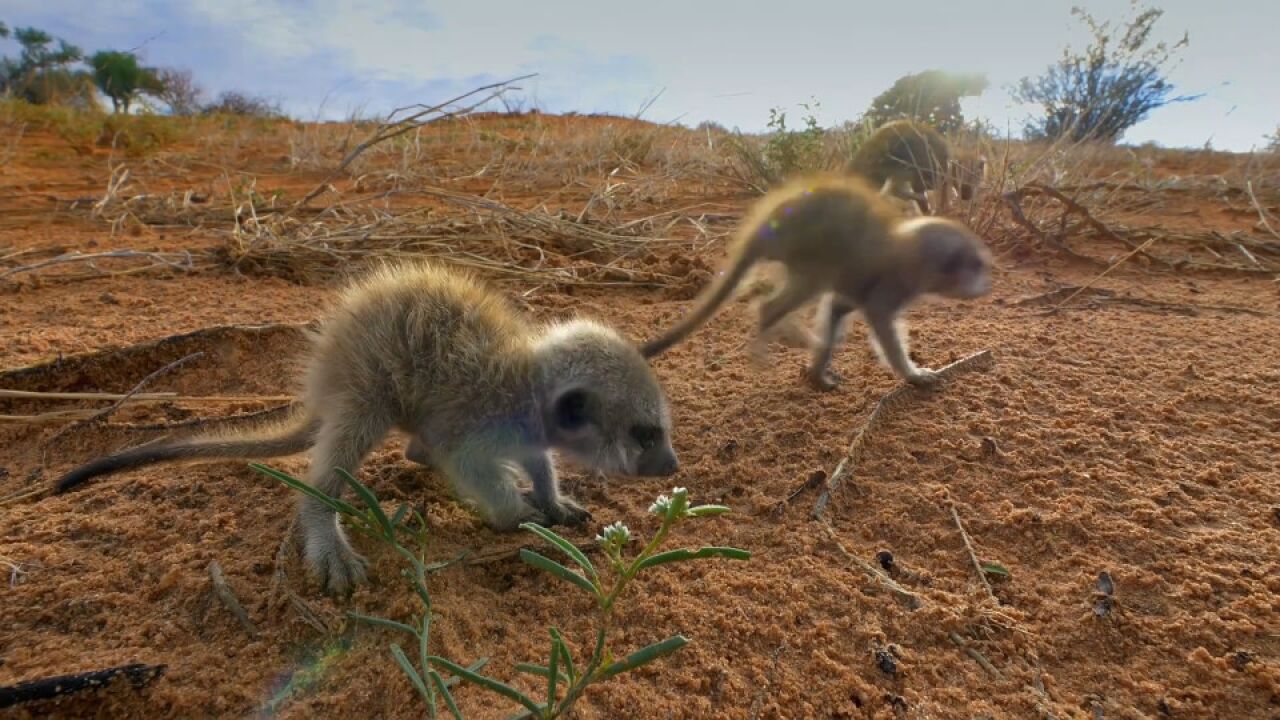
1102	296
116	405
912	600
139	676
968	546
228	598
888	403
393	127
1262	213
1103	274
84	365
978	657
183	262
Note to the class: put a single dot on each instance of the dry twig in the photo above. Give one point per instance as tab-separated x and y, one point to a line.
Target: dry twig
894	399
228	598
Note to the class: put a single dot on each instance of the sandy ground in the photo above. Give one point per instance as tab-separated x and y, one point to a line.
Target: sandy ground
1139	440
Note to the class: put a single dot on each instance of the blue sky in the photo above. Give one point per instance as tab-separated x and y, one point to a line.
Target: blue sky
720	60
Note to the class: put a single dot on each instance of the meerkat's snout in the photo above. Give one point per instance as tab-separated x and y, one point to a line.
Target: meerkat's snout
657	458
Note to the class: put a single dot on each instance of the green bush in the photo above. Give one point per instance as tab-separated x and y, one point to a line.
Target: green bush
1112	85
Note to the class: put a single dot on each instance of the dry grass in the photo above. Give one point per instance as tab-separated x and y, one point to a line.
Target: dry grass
574	199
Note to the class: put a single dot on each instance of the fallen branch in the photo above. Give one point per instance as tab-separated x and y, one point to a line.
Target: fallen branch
912	600
83	366
1108	297
1262	213
228	598
139	676
116	405
978	657
968	546
392	127
1103	274
889	402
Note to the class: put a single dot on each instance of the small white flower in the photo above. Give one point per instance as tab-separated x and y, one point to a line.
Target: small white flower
659	506
616	534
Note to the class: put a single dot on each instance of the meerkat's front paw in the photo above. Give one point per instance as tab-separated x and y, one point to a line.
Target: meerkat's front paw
571	513
566	512
924	377
337	567
823	379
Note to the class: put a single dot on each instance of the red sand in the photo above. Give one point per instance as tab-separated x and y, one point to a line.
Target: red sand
1136	440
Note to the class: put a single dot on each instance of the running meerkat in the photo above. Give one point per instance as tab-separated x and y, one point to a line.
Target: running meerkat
483	395
835	236
906	159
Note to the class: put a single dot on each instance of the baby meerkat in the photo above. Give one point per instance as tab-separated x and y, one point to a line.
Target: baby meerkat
906	159
835	235
483	396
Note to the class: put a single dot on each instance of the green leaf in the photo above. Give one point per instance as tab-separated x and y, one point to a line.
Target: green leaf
488	683
567	547
444	691
400	513
643	656
442	564
992	568
371	501
557	569
684	554
473	667
553	672
532	669
708	510
383	622
565	656
411	671
338	505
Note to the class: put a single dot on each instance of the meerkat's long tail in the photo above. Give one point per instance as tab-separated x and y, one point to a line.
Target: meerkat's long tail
708	302
293	436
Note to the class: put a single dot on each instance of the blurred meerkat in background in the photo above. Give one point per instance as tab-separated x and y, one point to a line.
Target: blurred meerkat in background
906	159
836	236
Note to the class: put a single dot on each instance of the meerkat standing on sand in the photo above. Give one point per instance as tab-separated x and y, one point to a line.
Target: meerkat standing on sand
906	159
483	396
835	235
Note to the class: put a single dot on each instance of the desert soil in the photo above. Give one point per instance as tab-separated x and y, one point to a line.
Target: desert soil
1134	432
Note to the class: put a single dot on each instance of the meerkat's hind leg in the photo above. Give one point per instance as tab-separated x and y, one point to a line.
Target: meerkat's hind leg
798	289
829	325
482	477
340	444
559	509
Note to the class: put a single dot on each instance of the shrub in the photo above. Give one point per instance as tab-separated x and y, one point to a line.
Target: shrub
233	102
932	96
1108	88
784	151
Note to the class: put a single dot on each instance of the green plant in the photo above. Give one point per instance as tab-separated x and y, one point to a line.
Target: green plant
119	76
1108	88
565	680
783	153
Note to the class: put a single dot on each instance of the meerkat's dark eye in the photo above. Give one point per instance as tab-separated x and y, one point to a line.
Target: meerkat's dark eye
573	409
646	436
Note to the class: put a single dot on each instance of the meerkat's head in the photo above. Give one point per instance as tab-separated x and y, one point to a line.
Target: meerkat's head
603	405
951	259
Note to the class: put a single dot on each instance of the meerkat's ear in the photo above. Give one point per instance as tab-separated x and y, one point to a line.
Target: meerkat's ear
575	409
